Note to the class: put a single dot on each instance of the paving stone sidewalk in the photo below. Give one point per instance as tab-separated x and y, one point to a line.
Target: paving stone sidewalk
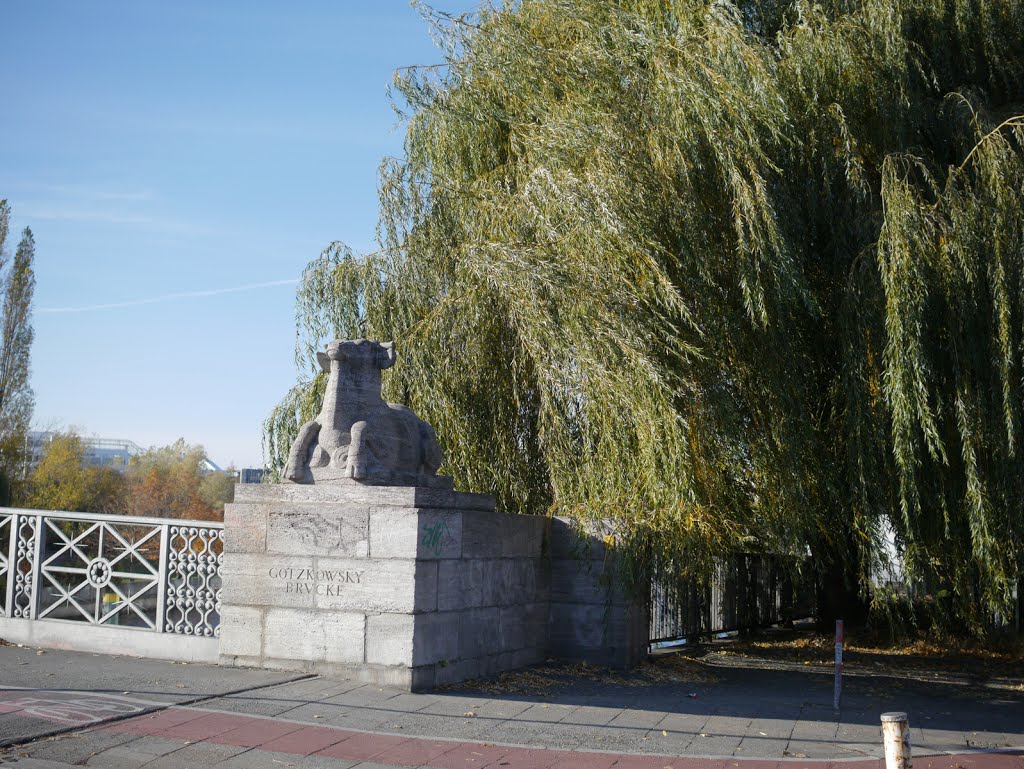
62	709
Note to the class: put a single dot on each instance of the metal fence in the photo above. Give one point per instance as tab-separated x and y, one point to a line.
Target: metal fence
746	591
921	595
147	574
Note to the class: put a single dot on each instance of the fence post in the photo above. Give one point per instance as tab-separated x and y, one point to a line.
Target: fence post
12	564
1019	621
37	568
896	739
838	688
161	590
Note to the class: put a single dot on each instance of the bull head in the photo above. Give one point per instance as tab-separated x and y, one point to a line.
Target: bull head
382	354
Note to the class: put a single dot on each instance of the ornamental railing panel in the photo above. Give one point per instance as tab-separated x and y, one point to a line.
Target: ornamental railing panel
23	560
194	558
160	575
6	526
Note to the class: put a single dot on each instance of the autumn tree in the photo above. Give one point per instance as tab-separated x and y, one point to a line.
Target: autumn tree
17	285
168	482
163	482
742	275
61	480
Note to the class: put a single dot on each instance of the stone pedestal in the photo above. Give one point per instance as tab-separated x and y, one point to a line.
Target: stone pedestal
408	585
396	585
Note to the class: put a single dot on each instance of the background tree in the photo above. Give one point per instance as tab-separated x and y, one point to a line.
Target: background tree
164	482
17	285
168	482
217	488
742	275
62	482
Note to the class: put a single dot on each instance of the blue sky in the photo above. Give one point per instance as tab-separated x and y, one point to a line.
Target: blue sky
166	150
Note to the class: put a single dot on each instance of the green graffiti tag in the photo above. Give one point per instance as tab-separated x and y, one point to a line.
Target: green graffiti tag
434	535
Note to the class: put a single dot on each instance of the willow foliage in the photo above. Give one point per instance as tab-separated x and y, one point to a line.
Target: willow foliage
743	275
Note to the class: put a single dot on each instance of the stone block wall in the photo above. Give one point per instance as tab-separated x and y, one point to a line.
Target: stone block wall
484	586
414	587
403	586
591	617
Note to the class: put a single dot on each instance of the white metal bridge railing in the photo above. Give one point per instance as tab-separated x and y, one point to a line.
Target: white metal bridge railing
150	574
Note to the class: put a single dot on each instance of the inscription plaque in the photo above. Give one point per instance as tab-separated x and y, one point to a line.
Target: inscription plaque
328	582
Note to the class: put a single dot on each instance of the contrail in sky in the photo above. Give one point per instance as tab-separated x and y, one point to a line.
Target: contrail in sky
169	297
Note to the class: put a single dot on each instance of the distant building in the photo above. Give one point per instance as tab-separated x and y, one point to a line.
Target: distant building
109	452
250	475
98	452
208	466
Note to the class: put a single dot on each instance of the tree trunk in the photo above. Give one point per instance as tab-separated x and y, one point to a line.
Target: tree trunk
838	590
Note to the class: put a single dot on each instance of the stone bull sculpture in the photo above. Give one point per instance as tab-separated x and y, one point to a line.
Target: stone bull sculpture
358	436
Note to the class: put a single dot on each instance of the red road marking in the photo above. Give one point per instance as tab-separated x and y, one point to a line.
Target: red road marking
643	762
254	735
587	761
155	722
414	752
467	755
362	746
204	728
196	725
530	758
308	739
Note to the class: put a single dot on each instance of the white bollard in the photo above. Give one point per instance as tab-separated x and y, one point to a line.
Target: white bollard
896	738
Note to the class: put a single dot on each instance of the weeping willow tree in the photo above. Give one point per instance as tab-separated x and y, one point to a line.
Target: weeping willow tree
741	275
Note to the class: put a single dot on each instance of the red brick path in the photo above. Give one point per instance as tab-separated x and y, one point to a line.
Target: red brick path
285	737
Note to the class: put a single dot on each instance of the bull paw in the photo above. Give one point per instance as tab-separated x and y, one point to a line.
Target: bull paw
319	457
